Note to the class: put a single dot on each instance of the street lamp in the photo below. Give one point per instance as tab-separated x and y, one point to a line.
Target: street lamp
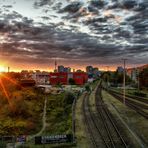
124	61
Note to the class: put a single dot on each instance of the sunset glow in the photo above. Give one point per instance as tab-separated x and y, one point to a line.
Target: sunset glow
5	92
2	69
78	33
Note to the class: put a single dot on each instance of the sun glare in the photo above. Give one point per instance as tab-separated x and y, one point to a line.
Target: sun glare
2	69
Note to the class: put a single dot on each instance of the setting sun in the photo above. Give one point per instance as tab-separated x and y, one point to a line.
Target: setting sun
2	69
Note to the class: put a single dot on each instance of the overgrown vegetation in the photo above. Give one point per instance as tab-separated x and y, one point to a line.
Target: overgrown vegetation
59	117
115	78
143	77
140	94
20	108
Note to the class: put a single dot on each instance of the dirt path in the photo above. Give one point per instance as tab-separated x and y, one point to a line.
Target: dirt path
43	122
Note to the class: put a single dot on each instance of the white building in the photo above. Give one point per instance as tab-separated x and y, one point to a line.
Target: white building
41	77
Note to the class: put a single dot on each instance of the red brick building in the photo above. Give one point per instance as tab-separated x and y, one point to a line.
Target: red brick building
79	78
58	78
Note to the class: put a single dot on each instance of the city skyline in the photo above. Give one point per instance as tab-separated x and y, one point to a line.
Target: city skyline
48	69
76	33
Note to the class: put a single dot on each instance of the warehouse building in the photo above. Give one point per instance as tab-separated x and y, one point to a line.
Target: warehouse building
63	78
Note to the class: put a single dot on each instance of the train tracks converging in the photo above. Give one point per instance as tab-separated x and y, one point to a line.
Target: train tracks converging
134	98
112	132
92	126
101	126
138	107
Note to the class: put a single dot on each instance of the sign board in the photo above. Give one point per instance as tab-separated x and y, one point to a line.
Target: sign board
21	138
53	139
7	138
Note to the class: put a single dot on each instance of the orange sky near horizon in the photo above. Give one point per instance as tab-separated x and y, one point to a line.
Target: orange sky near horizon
17	67
21	66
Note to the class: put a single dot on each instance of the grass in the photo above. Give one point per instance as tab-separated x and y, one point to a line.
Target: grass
25	118
58	123
131	91
59	118
81	135
20	116
94	84
135	122
81	132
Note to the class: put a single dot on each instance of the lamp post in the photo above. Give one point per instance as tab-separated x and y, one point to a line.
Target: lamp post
124	61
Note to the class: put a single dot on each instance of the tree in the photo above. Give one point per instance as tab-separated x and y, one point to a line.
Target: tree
68	99
106	76
71	81
115	77
143	77
87	88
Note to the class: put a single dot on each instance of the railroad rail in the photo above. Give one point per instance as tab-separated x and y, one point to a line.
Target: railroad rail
132	104
108	122
92	127
101	126
140	99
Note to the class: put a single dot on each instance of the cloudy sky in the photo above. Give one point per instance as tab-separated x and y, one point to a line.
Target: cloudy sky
33	33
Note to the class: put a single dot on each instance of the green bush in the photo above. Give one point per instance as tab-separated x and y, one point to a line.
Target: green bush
68	99
71	81
140	94
87	88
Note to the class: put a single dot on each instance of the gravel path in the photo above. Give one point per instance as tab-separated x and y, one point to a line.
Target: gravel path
43	122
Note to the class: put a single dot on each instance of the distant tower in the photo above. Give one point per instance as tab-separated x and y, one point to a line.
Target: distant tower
8	69
55	65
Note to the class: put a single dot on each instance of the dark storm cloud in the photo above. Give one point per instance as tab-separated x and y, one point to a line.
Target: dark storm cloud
41	3
72	8
45	42
48	43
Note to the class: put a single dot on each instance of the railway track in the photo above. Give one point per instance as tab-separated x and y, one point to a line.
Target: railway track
140	99
140	104
112	132
92	127
132	104
103	131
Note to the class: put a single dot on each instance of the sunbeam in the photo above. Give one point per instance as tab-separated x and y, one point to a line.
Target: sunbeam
5	92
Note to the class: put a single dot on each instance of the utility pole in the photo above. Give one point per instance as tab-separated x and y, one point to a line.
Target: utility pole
138	81
107	68
124	61
107	76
